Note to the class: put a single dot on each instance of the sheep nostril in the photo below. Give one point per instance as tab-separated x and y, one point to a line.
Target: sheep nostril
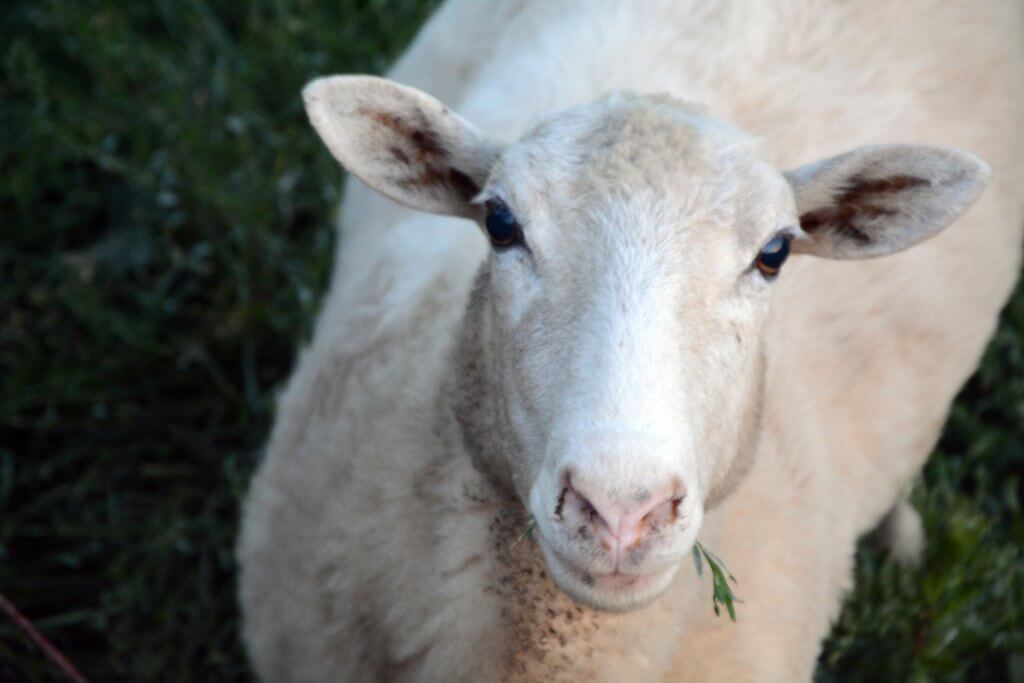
666	512
572	504
676	502
586	508
560	503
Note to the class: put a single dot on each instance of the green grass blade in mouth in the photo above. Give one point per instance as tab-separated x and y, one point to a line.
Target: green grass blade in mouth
721	593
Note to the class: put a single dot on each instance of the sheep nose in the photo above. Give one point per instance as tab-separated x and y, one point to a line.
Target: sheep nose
618	525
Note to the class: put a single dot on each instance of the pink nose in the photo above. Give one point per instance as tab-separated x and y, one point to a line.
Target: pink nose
617	525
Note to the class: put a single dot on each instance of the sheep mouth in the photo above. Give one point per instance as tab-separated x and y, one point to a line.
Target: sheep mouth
609	592
620	581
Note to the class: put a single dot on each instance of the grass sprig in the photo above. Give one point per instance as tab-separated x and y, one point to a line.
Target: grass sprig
721	593
531	524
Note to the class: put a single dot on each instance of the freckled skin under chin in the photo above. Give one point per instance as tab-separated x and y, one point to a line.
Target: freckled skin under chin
550	637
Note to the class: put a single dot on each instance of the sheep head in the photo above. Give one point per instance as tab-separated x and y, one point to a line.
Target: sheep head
616	329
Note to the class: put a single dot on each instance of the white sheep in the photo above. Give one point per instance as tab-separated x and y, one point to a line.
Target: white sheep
630	362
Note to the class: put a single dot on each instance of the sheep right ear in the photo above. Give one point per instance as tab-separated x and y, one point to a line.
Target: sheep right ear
401	142
882	199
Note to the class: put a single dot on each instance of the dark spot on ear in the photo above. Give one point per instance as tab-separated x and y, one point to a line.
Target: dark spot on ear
399	155
839	218
439	177
588	579
427	143
463	184
583	532
420	148
861	189
388	120
422	141
855	204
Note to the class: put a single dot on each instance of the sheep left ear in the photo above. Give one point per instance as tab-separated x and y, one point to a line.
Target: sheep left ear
401	142
879	200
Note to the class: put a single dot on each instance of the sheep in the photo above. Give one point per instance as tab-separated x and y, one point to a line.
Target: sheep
576	315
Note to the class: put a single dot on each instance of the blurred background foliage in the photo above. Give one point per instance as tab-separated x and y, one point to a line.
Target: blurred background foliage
165	237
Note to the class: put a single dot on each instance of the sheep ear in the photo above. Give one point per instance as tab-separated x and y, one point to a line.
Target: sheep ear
882	199
401	142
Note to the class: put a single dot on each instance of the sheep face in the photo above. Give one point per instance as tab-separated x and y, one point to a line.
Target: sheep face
613	361
621	317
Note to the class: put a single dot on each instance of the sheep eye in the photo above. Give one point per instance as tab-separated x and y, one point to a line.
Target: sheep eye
772	256
502	226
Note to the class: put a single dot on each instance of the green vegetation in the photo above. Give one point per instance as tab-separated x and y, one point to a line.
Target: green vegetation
960	615
721	591
165	235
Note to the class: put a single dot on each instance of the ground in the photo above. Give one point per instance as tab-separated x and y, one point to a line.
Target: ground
165	237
